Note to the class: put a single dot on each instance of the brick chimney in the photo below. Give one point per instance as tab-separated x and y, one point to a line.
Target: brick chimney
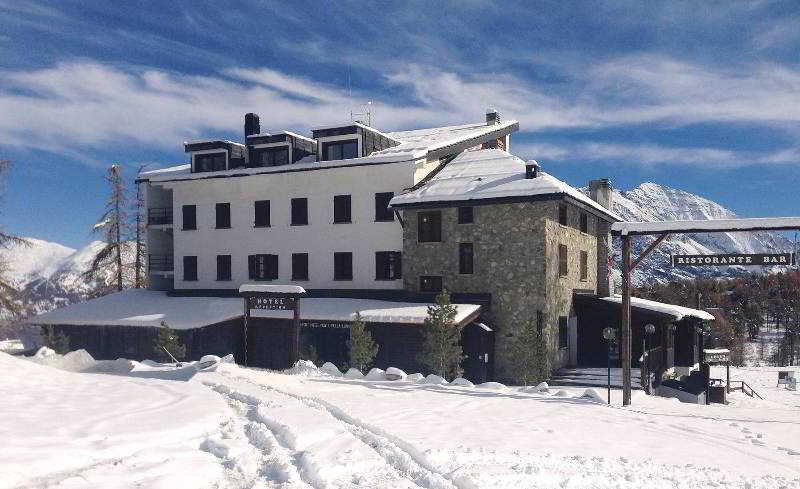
492	118
532	169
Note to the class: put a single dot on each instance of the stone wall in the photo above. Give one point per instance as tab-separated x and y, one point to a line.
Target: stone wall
513	261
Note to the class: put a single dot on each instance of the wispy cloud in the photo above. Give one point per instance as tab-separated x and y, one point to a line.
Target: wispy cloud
87	106
649	154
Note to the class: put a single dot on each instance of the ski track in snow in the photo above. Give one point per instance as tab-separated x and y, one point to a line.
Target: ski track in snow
401	462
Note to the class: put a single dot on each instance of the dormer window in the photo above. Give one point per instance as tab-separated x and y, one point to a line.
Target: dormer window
210	162
340	150
270	156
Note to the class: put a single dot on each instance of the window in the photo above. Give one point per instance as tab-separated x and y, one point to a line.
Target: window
563	333
262	267
223	216
190	268
465	258
209	162
343	266
299	266
584	223
429	226
261	208
270	157
465	215
190	217
341	209
584	266
382	210
562	260
430	283
539	322
562	214
340	150
223	267
300	212
388	265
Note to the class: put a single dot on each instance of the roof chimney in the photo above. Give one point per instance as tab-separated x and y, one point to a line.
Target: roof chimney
600	191
251	125
492	116
532	169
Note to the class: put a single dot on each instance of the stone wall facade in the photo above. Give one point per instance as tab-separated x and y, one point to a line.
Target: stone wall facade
515	249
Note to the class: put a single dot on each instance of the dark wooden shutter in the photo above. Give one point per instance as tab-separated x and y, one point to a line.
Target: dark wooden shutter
251	267
272	267
262	213
189	217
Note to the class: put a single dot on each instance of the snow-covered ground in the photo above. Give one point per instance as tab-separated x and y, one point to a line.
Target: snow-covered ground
237	427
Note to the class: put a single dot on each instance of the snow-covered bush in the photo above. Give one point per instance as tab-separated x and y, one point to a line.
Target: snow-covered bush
593	395
495	386
375	374
353	373
435	380
461	381
417	378
331	369
393	373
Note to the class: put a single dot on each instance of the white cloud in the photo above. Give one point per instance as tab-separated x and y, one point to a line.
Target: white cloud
649	154
87	107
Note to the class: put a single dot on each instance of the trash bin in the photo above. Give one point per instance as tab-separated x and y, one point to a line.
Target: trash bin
716	394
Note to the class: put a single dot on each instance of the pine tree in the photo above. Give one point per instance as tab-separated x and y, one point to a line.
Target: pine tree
361	348
140	227
9	295
168	339
57	342
114	224
441	347
529	353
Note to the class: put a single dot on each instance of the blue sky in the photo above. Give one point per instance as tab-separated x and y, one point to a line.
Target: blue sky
701	96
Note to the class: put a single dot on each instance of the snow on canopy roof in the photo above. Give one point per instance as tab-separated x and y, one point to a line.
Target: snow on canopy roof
678	312
275	289
422	141
140	307
376	311
752	224
490	174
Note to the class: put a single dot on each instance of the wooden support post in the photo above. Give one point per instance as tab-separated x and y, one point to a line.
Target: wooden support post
625	333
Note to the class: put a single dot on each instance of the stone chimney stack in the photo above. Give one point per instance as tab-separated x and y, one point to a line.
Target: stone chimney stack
532	169
492	116
502	143
601	192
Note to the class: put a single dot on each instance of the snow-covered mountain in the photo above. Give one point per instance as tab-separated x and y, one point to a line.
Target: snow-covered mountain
652	202
50	275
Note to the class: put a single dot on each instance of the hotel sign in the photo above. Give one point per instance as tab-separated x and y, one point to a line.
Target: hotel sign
758	259
325	324
278	303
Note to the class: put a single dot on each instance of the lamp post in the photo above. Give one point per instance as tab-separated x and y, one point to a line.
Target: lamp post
609	334
648	329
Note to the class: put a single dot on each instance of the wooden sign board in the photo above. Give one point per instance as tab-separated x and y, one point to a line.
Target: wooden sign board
717	356
724	260
272	303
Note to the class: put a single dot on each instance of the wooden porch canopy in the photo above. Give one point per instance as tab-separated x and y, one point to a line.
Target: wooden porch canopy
663	229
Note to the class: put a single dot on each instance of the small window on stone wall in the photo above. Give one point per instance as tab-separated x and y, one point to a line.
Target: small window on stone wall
562	214
430	283
562	260
584	266
563	333
584	223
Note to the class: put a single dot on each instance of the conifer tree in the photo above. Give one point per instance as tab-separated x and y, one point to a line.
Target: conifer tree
140	228
530	356
57	342
9	295
114	224
441	347
168	339
361	348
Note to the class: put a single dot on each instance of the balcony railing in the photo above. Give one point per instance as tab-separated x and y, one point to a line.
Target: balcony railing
159	215
160	263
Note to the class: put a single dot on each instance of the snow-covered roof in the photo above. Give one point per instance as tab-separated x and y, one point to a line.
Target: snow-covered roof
339	309
201	141
490	174
140	307
678	312
274	289
422	141
753	224
357	124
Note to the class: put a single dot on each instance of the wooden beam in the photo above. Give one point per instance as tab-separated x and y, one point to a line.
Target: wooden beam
625	333
649	250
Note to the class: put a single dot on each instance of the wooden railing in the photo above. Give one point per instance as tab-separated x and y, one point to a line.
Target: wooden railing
743	386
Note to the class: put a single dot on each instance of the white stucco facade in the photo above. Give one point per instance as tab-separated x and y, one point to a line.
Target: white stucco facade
363	237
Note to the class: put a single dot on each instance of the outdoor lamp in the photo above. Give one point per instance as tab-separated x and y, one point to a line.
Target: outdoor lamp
610	335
